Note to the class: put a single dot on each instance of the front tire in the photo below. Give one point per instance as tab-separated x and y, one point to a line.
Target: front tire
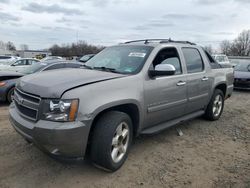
215	106
111	140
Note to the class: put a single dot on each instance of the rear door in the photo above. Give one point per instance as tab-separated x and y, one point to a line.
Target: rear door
197	79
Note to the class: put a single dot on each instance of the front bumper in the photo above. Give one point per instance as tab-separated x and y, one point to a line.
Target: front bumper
240	84
3	94
67	139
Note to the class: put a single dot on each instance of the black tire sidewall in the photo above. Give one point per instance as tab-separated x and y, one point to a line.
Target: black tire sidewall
9	94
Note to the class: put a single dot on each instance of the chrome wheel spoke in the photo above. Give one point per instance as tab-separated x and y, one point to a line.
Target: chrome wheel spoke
120	142
115	141
122	149
124	133
114	153
214	109
119	130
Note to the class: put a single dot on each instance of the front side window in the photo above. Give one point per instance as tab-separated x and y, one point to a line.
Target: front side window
193	60
169	56
20	63
33	68
121	59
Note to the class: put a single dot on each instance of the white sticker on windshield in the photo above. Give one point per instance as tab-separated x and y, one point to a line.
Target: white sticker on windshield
137	54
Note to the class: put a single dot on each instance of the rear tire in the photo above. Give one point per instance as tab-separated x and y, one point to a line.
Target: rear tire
10	95
215	106
111	140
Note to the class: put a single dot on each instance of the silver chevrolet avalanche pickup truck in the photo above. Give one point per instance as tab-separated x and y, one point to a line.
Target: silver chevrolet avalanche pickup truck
139	87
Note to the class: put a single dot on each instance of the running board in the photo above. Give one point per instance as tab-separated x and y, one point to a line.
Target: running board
160	127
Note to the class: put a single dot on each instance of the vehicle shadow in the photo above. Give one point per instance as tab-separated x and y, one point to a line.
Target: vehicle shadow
241	91
4	104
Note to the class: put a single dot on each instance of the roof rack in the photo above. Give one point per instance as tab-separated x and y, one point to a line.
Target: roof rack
146	41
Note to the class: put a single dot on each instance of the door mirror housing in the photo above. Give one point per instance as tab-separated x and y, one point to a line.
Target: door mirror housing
162	70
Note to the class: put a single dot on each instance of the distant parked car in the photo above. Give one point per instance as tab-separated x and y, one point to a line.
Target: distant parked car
17	65
8	78
242	74
87	57
4	58
49	58
222	60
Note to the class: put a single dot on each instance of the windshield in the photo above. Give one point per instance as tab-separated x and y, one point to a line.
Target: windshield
243	65
221	58
86	57
33	68
121	59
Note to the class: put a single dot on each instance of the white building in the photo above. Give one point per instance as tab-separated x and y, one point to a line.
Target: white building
39	54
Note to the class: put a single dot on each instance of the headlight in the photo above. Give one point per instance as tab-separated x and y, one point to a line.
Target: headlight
60	110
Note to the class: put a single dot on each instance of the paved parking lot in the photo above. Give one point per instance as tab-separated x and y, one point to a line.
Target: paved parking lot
209	154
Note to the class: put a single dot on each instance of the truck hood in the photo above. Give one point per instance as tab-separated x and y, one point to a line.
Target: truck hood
52	84
241	74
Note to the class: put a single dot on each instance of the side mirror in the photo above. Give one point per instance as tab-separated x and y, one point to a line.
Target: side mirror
162	70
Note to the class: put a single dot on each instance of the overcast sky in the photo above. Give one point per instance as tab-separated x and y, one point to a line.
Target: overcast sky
105	22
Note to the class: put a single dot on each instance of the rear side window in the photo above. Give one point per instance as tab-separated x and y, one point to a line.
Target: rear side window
193	60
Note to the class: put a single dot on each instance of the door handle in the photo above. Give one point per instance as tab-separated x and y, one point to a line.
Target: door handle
204	78
181	83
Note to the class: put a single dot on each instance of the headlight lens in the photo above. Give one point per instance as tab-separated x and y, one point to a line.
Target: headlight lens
60	110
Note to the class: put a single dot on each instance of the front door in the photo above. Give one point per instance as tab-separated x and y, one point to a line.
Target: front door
166	96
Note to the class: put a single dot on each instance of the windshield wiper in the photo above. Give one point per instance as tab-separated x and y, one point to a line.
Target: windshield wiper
86	66
107	69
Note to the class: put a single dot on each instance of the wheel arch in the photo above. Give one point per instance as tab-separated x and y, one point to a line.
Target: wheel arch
131	109
222	86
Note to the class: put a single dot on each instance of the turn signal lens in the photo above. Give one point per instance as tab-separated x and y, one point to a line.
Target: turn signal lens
73	110
2	84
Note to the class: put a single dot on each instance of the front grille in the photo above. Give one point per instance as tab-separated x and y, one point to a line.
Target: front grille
27	105
241	85
242	80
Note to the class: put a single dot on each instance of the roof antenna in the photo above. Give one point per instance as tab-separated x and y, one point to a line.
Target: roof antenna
146	41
